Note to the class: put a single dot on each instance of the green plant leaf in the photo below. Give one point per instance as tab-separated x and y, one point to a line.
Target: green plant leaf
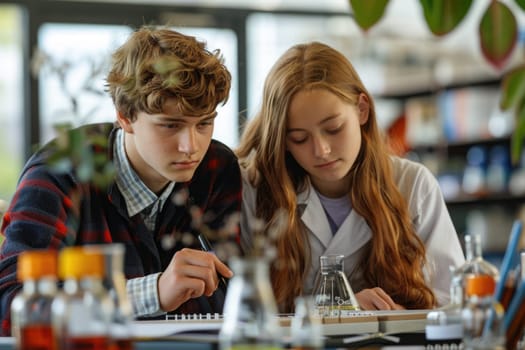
83	153
368	12
442	16
521	3
498	33
513	88
519	134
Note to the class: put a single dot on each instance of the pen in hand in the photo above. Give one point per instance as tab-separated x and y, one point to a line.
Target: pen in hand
206	246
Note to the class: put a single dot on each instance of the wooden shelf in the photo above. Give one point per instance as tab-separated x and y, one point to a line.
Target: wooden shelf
461	147
436	89
503	199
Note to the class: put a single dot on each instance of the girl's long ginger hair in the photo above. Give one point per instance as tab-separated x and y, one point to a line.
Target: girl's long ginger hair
395	257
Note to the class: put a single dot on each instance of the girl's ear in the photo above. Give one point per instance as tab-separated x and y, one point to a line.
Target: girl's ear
363	105
124	123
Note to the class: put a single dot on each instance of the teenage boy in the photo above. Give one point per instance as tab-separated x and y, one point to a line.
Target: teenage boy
171	181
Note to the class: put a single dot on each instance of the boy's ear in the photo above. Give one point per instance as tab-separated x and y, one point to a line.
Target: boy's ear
124	123
363	105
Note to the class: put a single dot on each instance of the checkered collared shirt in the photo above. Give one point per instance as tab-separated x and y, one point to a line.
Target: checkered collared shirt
140	200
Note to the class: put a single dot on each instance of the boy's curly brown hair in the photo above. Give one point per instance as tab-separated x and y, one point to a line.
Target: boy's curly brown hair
158	64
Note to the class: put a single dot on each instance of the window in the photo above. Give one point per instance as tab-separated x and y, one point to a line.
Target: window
72	63
269	35
11	97
75	59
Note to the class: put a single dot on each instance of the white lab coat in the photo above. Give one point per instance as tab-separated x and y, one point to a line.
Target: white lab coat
428	213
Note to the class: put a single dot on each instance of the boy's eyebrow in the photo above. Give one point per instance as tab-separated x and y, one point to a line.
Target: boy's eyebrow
184	118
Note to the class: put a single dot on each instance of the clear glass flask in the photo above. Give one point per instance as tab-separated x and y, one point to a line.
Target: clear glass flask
250	311
114	282
332	292
31	323
306	328
444	324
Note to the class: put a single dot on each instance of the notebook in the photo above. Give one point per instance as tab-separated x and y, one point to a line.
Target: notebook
359	322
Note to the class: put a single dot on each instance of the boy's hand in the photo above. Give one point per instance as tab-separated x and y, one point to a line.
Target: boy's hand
190	274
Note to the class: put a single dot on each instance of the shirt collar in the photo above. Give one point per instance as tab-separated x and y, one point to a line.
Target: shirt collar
137	195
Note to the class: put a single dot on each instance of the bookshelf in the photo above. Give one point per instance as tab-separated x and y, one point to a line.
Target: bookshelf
461	135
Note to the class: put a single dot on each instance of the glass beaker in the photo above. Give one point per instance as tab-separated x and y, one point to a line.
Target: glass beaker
332	292
250	311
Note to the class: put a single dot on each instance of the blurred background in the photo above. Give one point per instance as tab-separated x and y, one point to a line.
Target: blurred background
437	98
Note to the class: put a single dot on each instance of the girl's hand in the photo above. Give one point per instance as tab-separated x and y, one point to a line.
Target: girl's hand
376	299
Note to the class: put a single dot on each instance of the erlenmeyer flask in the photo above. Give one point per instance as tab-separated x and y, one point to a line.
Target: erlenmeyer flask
250	312
332	292
306	327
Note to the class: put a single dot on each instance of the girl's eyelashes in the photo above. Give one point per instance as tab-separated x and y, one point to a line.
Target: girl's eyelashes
298	141
297	136
335	130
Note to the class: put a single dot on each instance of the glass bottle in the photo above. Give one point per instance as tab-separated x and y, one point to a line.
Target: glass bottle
475	264
445	323
31	308
250	312
114	282
332	292
482	316
82	311
306	330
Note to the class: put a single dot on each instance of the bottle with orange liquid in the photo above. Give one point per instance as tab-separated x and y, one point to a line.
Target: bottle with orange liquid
31	308
445	323
81	313
475	264
482	316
